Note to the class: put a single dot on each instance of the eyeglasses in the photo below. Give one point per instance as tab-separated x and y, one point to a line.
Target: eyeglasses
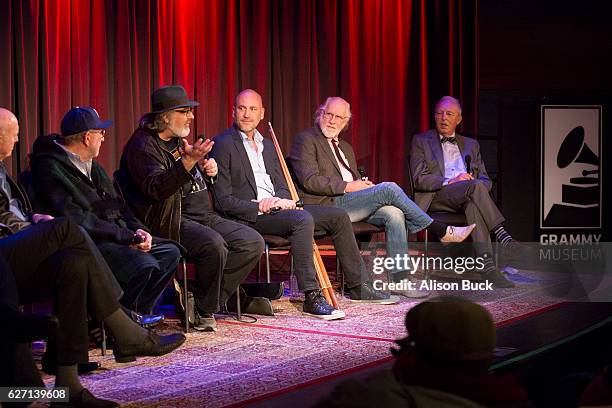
185	111
330	116
450	114
102	132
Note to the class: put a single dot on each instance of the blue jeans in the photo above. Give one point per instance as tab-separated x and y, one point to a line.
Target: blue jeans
386	204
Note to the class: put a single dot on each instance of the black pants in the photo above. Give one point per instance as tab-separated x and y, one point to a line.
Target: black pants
299	226
224	253
57	259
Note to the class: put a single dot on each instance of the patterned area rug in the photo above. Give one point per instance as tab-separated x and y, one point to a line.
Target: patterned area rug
244	362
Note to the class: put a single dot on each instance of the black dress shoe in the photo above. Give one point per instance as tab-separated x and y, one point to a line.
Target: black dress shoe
154	345
85	399
147	320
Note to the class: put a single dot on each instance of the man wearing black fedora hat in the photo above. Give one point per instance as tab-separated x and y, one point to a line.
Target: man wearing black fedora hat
70	182
166	182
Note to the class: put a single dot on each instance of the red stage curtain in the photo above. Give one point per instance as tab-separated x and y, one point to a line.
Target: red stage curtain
390	59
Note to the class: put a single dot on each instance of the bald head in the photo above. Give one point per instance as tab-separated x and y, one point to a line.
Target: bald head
333	116
9	131
6	116
248	111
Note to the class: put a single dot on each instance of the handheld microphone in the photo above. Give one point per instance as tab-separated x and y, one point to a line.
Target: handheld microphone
137	239
362	173
203	139
468	164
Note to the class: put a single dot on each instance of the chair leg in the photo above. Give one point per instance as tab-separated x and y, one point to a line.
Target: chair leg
340	272
103	330
267	248
185	294
238	309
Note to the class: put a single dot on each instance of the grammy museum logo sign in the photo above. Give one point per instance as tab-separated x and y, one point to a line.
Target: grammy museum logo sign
571	167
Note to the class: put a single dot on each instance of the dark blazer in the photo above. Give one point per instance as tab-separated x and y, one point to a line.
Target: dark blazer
315	167
235	186
427	164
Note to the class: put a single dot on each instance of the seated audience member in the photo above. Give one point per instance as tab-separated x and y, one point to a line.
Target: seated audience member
443	362
54	257
446	180
326	171
599	392
70	182
165	179
252	189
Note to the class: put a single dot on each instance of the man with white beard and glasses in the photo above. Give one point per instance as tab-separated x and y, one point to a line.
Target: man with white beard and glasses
165	180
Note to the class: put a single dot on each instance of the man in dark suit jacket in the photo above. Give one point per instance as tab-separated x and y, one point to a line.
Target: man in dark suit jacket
251	188
449	175
326	171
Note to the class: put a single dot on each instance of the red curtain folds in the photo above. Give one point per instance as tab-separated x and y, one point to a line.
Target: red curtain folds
390	59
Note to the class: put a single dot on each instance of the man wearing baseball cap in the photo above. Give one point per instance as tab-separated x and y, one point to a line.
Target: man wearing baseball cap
69	182
166	181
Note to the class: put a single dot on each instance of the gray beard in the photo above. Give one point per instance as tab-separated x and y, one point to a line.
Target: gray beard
330	135
182	133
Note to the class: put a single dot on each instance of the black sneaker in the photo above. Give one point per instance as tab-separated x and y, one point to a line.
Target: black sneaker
365	293
315	305
498	279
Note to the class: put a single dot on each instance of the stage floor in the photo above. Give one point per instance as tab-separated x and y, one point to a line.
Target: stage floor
245	364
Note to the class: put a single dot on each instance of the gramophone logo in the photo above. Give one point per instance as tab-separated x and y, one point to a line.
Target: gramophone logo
571	167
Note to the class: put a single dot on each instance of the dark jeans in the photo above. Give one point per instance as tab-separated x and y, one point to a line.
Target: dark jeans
142	275
224	253
299	226
57	259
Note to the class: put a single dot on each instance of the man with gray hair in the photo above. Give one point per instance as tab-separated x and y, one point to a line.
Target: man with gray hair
326	171
450	175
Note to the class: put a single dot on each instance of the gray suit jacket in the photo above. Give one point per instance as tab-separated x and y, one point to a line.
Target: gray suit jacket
315	167
427	164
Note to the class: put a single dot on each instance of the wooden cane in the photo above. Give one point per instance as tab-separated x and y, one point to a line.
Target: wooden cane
323	278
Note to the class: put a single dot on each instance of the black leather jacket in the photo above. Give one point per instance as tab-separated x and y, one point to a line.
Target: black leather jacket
9	222
152	181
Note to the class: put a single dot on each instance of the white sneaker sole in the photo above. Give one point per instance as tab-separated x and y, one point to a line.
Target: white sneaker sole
338	314
391	301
